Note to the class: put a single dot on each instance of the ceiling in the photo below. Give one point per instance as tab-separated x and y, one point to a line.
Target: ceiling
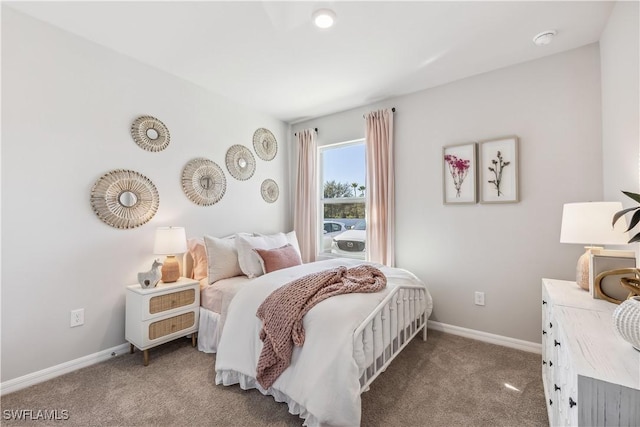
269	56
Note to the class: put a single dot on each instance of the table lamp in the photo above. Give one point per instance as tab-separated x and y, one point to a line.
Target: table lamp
590	224
170	241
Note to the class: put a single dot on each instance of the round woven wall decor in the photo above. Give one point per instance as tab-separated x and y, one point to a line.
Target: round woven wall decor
150	133
124	198
240	162
269	190
203	182
265	144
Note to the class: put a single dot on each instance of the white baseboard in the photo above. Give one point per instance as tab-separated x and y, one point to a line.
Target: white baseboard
61	369
486	337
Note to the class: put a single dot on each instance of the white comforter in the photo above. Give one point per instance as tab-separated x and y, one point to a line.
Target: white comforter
322	383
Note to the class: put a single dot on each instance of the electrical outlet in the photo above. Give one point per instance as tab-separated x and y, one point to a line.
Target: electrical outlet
479	298
77	317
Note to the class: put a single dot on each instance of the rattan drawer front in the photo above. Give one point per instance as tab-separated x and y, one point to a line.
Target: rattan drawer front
170	301
171	325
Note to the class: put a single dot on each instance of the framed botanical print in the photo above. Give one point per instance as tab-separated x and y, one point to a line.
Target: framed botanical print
459	174
498	167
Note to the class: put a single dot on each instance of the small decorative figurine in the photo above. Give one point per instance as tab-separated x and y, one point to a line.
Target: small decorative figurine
149	279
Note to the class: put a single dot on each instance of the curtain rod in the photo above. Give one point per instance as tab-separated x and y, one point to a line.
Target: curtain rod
393	109
296	134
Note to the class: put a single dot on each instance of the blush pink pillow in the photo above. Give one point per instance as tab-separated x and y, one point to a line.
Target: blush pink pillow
278	258
199	255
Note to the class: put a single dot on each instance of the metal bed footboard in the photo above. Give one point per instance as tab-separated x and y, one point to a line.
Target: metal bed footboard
389	328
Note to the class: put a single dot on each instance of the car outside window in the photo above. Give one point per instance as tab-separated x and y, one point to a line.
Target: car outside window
343	196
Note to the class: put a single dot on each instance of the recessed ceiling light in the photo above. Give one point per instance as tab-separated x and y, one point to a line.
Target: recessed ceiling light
324	18
544	38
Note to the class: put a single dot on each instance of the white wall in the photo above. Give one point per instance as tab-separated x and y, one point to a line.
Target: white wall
67	106
553	106
619	51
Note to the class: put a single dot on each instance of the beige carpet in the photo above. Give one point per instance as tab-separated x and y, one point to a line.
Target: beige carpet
446	381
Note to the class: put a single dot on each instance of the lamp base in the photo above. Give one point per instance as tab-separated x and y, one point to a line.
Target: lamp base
582	269
170	269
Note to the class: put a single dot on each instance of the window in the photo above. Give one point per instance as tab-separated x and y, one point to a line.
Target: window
343	199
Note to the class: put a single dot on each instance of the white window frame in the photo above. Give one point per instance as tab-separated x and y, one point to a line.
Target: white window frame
320	240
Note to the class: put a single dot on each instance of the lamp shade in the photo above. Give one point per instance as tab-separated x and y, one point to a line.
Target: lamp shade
590	224
170	241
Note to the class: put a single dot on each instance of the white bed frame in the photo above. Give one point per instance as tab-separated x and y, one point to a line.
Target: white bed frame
401	307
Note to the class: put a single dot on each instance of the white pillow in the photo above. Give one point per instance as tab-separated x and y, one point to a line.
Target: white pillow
222	258
293	241
249	260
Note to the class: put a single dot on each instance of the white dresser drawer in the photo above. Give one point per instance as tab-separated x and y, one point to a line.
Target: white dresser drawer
590	375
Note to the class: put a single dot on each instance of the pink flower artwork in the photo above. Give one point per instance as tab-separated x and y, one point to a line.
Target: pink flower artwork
458	168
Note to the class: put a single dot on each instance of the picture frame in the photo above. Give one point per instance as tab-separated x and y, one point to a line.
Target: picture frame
498	170
459	174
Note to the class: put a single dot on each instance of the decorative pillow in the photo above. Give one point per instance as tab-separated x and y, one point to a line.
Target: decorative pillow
247	258
198	253
278	258
293	241
222	258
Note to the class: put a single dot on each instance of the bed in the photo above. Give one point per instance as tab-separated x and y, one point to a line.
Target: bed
350	339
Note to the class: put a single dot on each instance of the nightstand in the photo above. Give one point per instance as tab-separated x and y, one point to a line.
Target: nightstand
161	314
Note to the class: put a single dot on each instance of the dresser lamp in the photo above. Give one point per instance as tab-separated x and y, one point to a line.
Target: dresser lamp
590	224
170	241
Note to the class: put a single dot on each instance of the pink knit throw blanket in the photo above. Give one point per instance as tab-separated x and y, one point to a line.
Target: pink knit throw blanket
282	312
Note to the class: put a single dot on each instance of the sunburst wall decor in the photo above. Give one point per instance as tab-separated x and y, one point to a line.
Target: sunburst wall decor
269	190
150	133
240	162
203	182
265	144
124	199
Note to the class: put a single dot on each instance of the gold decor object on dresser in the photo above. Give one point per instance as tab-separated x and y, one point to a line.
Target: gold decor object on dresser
124	198
624	287
158	315
150	133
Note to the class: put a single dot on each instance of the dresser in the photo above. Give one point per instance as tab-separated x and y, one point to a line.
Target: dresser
591	376
157	315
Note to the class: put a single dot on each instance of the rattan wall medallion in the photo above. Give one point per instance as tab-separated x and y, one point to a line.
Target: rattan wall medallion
203	182
240	162
265	144
150	133
124	198
269	190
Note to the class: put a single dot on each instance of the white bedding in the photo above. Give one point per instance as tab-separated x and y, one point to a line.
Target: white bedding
214	302
322	384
